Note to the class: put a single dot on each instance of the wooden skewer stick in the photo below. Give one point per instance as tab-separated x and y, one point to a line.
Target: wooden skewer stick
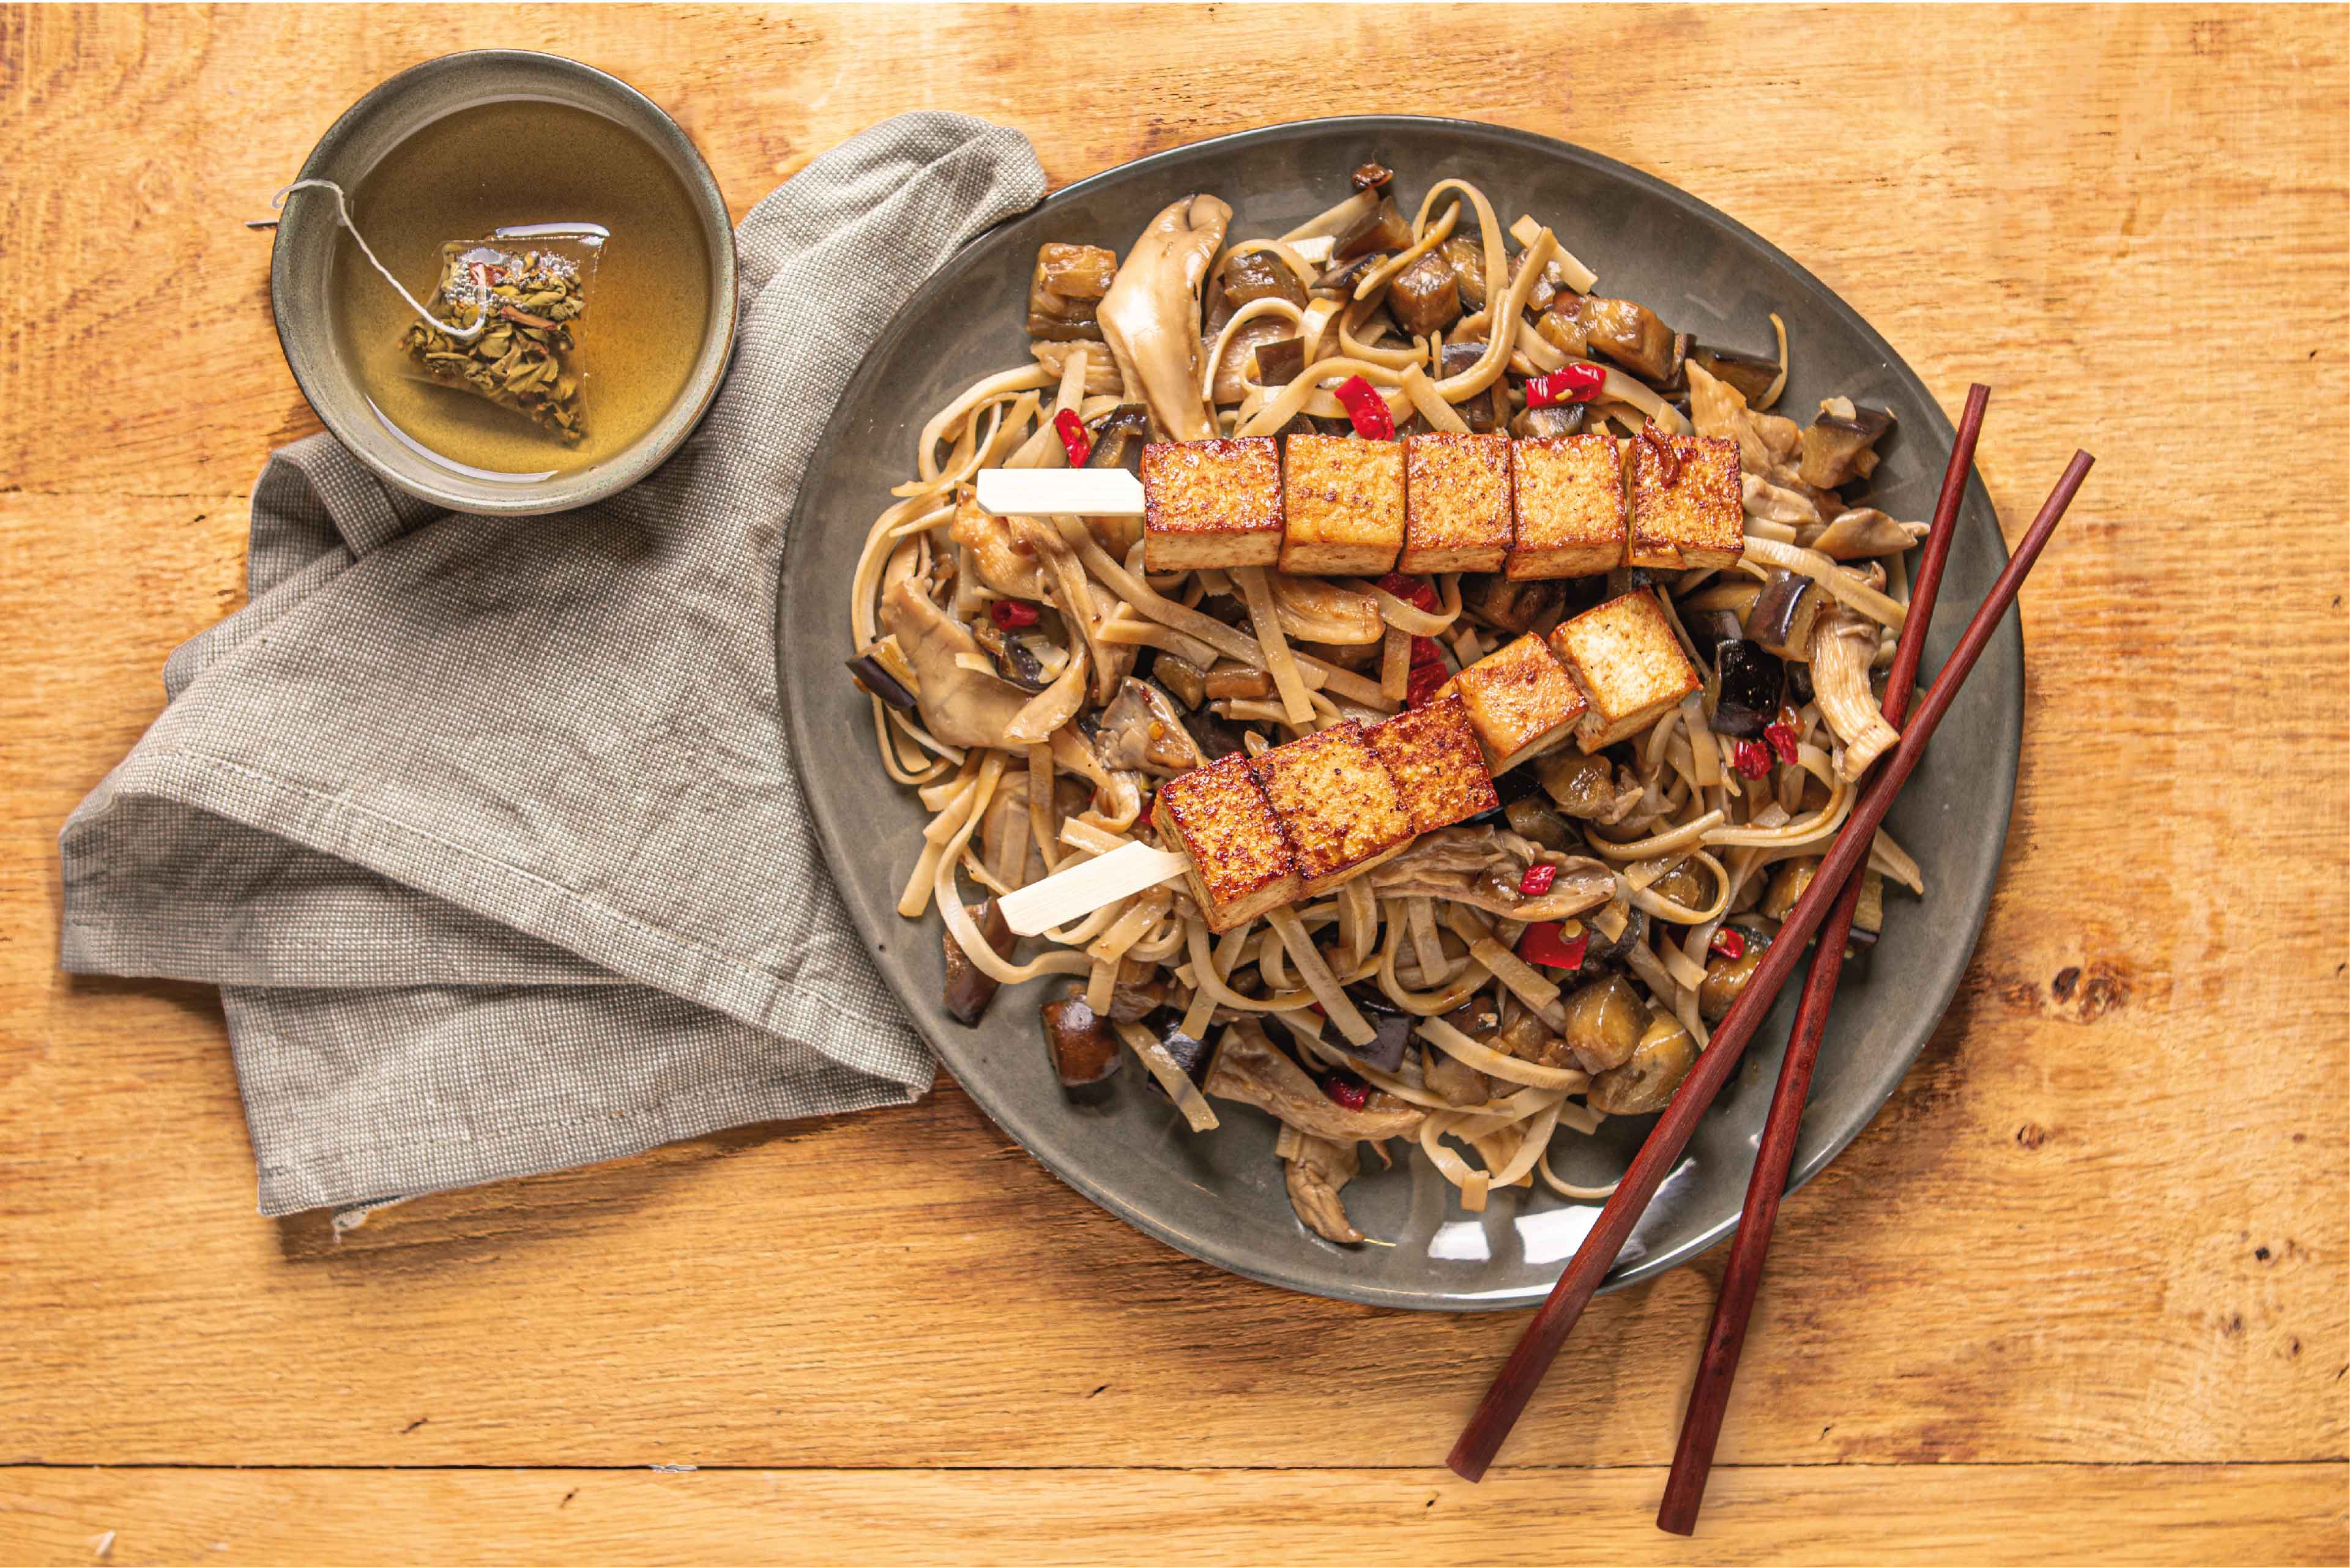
1703	1419
1058	492
1516	1383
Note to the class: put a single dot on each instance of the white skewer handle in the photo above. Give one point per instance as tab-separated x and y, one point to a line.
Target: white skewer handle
1072	894
1060	492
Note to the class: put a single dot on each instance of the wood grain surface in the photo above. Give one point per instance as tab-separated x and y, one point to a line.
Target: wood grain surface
2080	1292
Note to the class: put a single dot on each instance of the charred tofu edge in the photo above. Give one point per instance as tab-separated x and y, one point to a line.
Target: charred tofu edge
1326	789
1548	700
1628	662
1434	754
1224	797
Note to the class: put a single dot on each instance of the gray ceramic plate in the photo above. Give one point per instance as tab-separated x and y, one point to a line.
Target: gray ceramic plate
1219	1196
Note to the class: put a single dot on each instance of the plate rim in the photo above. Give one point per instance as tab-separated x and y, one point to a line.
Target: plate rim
2002	786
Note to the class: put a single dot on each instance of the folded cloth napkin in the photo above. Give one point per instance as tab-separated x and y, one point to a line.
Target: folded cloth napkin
488	827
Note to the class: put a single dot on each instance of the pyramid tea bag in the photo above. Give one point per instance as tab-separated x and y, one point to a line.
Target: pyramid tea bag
509	310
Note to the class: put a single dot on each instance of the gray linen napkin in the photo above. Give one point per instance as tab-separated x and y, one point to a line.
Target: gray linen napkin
487	829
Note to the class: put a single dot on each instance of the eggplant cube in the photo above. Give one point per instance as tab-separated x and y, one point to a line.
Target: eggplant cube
1341	813
1630	664
1432	753
1569	499
1457	503
1519	700
1343	506
1212	504
1694	518
1238	865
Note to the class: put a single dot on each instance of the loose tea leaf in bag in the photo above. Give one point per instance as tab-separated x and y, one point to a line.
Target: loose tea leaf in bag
527	289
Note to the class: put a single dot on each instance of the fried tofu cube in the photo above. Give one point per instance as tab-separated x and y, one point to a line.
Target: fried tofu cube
1695	520
1457	502
1569	508
1432	753
1238	865
1630	664
1212	504
1519	700
1341	811
1343	506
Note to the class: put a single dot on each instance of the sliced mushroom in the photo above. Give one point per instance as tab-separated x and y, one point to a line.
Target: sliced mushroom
1143	731
1229	385
1185	681
1837	445
1751	375
1002	564
1151	316
1313	1176
1767	443
1581	785
1251	1069
961	706
1861	532
1383	228
1455	1081
1316	610
1483	868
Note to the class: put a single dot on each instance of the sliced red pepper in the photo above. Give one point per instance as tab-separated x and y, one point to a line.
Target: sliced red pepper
1367	410
1421	683
1752	757
1414	591
1728	943
1543	944
1426	651
1569	384
1537	880
1344	1087
1011	614
1783	742
1075	440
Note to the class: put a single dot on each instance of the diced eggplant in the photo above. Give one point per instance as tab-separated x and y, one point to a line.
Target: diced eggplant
1392	1026
1468	259
1547	287
1213	735
1340	280
1484	412
1063	291
1581	784
1648	1078
1261	275
1533	819
1565	333
1675	382
1750	686
1801	681
1424	297
1368	175
1781	622
1184	679
1522	1034
1630	334
1789	880
1518	608
1837	450
1118	439
1084	1050
966	992
1383	228
1727	978
1750	375
1166	1026
1279	363
867	671
1543	423
1602	954
1707	627
1605	1020
1682	884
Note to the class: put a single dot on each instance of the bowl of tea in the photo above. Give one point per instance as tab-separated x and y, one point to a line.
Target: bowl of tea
506	282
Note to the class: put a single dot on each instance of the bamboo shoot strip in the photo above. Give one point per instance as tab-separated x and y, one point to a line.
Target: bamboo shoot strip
1728	1330
1086	887
1516	1383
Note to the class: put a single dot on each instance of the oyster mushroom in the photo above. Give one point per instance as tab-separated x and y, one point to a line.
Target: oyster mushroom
961	706
1142	731
1313	1176
1249	1068
1151	316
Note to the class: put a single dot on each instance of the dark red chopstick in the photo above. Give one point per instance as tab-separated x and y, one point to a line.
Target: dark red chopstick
1703	1417
1516	1383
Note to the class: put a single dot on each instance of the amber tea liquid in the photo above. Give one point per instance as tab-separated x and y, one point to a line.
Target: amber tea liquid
528	161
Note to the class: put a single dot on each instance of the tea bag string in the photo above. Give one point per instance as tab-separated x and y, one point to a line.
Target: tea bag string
343	216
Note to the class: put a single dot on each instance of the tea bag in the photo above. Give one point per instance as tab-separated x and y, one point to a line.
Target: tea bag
507	318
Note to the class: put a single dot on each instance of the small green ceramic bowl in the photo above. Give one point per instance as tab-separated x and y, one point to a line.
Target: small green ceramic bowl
301	269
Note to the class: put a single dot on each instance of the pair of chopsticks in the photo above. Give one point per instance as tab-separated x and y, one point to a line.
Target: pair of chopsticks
1826	908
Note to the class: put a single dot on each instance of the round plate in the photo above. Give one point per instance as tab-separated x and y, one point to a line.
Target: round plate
1219	1196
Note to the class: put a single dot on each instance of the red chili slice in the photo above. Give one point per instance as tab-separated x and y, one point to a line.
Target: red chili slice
1413	591
1345	1088
1367	410
1421	683
1569	384
1426	651
1011	614
1538	880
1073	431
1543	944
1728	943
1783	742
1752	757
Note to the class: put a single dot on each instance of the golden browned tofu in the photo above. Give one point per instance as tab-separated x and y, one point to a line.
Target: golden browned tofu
1431	752
1693	519
1343	506
1519	700
1238	863
1457	502
1568	495
1341	811
1630	664
1212	504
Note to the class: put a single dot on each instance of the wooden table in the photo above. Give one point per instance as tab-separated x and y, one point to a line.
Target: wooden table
2079	1294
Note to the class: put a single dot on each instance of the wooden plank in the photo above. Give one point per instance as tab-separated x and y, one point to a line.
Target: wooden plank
1810	1513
